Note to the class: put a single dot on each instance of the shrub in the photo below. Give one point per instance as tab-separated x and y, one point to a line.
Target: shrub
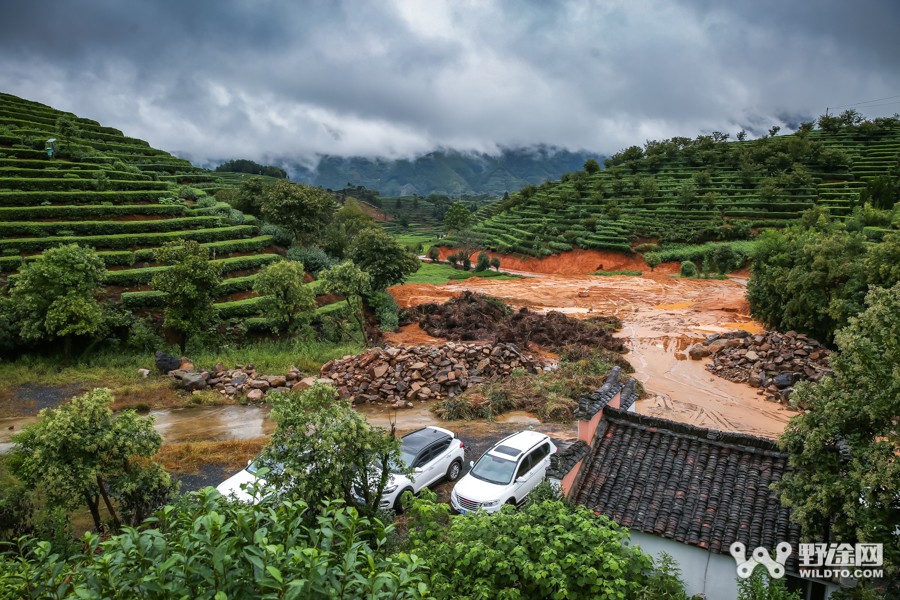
484	262
206	202
313	258
688	269
280	236
386	311
433	253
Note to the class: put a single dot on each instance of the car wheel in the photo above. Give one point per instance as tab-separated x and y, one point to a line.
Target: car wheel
512	502
398	503
454	470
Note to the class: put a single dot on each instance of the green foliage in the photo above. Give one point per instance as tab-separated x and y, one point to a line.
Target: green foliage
348	222
457	217
759	586
323	448
386	311
688	269
55	295
844	472
254	168
378	254
484	262
545	550
353	283
208	547
495	263
190	286
664	582
434	253
280	236
80	452
313	258
591	166
288	301
301	209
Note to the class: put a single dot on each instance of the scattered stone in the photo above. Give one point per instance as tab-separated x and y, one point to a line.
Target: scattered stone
144	372
166	362
255	395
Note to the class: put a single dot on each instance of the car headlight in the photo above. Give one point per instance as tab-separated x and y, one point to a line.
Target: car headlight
490	504
390	489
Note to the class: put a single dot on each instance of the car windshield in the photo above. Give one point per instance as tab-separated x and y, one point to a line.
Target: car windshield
494	469
407	457
253	467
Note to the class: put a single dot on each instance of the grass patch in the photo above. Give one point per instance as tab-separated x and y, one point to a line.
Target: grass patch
414	239
189	457
438	273
614	273
551	396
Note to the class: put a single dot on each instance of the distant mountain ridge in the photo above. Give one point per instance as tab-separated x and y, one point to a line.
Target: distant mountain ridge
445	171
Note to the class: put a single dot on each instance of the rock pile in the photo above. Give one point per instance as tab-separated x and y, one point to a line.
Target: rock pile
401	375
772	362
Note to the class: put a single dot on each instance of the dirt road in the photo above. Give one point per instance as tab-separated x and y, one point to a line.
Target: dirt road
662	316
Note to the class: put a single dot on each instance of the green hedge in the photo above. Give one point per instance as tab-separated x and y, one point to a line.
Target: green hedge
130	277
7	173
75	213
37	198
240	308
156	299
128	240
56	184
96	228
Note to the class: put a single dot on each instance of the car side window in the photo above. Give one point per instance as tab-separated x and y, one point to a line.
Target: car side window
525	465
426	457
541	453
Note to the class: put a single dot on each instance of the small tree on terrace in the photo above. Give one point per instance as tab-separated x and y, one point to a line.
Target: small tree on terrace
591	166
55	295
378	253
353	284
303	210
191	284
433	253
457	217
495	262
289	302
80	453
483	263
323	449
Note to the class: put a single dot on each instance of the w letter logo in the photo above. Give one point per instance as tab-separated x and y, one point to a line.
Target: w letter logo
760	556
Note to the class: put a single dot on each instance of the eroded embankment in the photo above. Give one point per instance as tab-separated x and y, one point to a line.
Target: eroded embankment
661	316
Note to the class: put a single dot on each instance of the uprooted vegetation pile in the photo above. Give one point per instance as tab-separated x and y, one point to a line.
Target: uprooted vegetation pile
401	375
771	362
551	396
472	316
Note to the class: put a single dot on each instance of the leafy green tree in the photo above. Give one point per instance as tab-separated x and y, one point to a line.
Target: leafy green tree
206	546
545	550
55	295
247	198
652	259
483	263
688	269
80	453
434	253
495	262
353	284
591	166
303	210
190	284
290	303
457	217
380	255
348	222
844	474
323	448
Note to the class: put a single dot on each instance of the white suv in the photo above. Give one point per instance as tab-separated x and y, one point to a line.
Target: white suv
432	453
506	473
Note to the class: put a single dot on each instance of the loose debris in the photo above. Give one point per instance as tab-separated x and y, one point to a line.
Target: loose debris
772	362
401	375
472	316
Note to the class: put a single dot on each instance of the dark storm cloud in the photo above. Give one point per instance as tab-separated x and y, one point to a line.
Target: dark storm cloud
268	79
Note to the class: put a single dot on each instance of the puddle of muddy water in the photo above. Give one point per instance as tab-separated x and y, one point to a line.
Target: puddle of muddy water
205	423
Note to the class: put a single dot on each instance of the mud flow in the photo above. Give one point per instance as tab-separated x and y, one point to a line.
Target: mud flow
661	316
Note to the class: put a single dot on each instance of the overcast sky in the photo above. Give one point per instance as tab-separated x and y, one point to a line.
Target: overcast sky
267	79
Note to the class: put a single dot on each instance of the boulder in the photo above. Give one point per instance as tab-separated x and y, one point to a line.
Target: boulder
784	380
166	362
193	381
698	351
144	372
255	395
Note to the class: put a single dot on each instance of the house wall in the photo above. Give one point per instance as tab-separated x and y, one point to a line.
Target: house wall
586	429
569	480
708	573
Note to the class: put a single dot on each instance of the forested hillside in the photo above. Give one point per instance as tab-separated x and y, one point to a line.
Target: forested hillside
116	194
683	190
444	171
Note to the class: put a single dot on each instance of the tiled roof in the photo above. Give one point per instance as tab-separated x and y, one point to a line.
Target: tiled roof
566	457
590	404
697	486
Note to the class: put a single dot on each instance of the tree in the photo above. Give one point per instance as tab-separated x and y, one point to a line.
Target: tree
591	166
290	303
380	255
303	210
353	284
206	546
248	196
544	550
191	285
323	448
844	476
483	263
457	217
433	253
652	259
55	295
495	262
347	223
80	452
759	586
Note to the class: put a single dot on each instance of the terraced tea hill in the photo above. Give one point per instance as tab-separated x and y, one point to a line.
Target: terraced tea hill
694	191
123	198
